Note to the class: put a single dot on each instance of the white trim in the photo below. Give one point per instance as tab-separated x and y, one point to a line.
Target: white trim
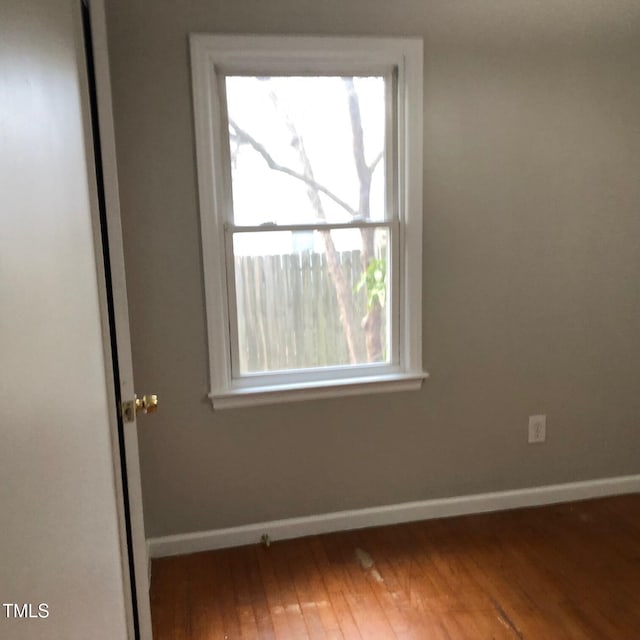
253	396
409	141
211	181
285	54
213	55
392	514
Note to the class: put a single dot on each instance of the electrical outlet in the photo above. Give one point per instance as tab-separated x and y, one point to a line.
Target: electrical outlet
537	428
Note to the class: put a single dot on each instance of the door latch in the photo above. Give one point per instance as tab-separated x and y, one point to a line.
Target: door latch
146	404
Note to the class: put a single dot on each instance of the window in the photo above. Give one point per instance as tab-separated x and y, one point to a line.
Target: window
309	155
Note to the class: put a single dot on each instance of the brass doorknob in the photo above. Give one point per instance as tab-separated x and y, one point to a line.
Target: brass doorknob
147	404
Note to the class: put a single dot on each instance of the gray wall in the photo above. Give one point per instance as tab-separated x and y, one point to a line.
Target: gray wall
531	264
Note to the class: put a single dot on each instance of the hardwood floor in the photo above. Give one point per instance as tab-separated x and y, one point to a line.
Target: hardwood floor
568	571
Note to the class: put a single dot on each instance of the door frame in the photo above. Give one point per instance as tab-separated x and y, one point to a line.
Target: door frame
136	565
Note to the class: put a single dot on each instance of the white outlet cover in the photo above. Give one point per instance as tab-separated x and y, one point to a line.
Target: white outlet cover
537	428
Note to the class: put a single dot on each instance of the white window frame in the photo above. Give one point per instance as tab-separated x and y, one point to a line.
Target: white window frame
212	57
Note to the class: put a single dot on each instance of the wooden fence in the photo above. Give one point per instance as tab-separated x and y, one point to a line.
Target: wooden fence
288	314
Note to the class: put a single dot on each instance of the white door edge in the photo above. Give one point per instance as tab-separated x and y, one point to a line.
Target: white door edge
121	312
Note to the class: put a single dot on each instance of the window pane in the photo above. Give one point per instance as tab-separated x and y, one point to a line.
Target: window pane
309	299
306	149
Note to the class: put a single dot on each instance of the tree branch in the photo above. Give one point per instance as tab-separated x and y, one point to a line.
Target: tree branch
245	138
377	159
364	173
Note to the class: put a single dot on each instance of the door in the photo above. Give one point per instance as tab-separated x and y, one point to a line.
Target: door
108	200
64	552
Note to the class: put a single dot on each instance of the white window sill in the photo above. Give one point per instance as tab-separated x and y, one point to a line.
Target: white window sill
254	396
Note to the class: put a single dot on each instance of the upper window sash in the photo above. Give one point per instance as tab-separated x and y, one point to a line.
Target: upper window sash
213	57
390	160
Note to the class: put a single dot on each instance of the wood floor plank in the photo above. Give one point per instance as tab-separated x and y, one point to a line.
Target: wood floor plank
563	572
371	619
273	595
312	600
347	622
169	602
278	557
205	611
259	601
228	598
316	591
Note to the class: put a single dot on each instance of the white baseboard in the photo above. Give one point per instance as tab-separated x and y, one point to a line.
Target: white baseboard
391	514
